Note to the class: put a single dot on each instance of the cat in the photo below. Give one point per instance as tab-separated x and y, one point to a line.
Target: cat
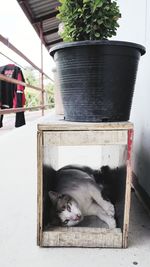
77	195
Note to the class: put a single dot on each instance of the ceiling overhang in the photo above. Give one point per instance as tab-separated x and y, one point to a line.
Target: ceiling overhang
42	15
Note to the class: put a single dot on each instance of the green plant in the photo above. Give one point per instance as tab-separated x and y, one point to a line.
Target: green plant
32	98
50	95
88	19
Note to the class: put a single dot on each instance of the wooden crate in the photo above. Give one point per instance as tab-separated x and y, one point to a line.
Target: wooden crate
61	133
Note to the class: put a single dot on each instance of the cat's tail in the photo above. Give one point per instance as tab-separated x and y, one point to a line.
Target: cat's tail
102	176
105	177
113	182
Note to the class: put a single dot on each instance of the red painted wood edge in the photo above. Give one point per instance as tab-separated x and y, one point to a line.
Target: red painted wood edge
130	141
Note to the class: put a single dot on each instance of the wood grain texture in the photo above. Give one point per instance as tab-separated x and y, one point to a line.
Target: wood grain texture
82	237
39	185
72	138
128	189
62	125
58	133
127	206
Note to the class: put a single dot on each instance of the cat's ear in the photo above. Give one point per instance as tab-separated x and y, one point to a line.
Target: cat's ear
53	196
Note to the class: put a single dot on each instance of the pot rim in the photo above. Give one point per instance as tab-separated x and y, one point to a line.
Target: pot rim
63	45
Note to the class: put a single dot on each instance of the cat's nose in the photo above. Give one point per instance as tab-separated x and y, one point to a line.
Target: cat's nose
78	217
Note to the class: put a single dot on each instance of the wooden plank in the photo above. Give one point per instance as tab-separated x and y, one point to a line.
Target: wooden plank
127	207
82	237
65	138
56	123
39	186
88	134
128	190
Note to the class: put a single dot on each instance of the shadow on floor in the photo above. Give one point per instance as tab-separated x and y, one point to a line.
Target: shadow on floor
139	229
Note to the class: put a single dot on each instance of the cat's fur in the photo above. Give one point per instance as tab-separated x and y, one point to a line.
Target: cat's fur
77	195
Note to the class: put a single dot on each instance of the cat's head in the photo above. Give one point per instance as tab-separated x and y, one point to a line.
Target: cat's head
67	209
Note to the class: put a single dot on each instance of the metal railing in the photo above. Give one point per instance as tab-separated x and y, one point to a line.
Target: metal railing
42	105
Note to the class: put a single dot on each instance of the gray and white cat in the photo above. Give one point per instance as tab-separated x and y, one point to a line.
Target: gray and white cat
77	195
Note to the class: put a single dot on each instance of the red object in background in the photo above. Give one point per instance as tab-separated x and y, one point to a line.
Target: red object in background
20	89
12	95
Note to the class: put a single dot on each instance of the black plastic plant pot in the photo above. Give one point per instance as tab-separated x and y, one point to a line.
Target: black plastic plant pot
97	79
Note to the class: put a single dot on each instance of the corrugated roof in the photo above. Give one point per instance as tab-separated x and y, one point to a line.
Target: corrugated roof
42	15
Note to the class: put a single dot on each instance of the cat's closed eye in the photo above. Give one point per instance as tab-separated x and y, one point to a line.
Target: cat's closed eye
68	208
66	221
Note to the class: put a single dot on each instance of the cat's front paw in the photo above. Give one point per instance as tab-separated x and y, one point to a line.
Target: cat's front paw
110	210
111	223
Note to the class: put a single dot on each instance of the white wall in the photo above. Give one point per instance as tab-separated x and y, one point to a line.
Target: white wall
141	114
133	21
135	27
